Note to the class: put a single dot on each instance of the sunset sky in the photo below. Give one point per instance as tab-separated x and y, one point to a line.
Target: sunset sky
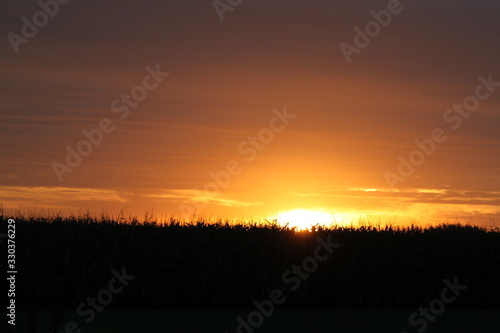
268	94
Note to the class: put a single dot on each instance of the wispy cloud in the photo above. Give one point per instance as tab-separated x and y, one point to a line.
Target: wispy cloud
417	195
187	196
23	194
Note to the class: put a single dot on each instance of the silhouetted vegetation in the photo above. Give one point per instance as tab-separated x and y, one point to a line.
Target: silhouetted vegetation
204	265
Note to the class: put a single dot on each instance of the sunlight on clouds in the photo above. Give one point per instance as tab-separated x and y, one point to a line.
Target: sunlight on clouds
363	189
187	196
429	190
18	195
404	206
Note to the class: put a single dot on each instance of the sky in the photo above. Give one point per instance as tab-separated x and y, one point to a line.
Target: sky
383	110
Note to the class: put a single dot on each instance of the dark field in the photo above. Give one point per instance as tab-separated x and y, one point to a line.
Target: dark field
201	277
283	321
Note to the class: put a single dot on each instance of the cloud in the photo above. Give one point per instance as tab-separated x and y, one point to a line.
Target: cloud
19	195
188	196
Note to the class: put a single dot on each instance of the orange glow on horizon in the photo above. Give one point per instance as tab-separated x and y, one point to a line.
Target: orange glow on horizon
303	219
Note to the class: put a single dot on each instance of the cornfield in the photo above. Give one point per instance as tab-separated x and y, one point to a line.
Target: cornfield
62	261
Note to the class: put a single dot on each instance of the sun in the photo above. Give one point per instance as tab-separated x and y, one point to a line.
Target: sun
304	219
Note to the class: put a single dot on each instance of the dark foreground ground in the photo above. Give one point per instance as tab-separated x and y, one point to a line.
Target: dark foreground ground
310	321
133	277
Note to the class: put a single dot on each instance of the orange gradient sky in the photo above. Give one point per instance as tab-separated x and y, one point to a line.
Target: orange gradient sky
227	81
